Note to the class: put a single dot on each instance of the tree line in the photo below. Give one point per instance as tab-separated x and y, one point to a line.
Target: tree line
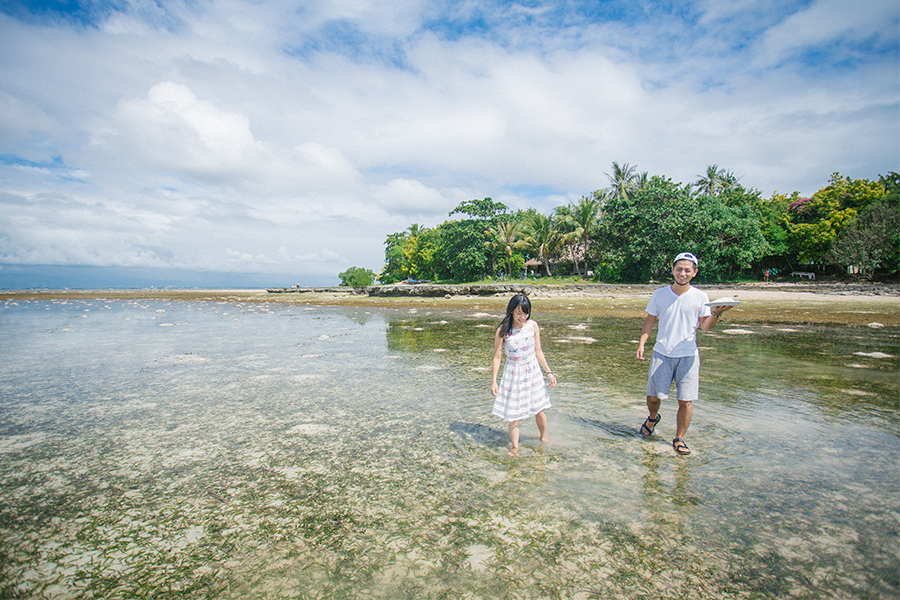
629	231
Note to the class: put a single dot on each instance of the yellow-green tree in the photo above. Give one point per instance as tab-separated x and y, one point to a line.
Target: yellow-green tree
816	222
410	254
419	250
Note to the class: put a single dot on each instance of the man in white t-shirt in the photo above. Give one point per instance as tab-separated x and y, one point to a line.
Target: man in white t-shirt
680	308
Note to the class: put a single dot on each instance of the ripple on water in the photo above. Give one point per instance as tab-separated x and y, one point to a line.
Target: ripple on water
274	469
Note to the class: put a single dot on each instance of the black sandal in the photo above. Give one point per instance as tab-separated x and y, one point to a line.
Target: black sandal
649	420
680	446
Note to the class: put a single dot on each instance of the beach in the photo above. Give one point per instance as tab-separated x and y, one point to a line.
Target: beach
246	444
825	303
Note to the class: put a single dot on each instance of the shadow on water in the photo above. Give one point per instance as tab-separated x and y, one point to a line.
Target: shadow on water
615	429
480	434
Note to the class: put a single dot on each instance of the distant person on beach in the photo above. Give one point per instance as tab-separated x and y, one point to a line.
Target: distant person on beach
521	393
679	308
766	275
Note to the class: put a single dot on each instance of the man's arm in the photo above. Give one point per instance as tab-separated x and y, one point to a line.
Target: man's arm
645	334
707	323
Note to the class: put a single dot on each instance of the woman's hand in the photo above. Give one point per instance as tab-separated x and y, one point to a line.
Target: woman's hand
494	389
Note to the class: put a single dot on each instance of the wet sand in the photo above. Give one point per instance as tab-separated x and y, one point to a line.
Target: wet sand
826	303
239	444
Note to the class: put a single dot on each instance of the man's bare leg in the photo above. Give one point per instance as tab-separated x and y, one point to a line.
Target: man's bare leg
653	406
685	412
650	424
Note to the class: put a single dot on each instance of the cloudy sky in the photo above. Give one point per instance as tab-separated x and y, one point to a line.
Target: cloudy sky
280	141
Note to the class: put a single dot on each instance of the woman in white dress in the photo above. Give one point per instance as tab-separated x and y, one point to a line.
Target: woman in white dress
521	393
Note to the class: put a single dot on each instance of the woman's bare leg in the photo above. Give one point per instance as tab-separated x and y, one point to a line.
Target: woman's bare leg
514	437
541	420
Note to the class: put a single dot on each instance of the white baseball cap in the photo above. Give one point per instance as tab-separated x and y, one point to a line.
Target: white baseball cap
686	256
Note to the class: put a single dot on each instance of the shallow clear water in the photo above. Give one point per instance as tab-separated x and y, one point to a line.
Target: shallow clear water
209	449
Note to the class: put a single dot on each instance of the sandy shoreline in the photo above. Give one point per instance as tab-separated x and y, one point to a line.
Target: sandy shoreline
852	304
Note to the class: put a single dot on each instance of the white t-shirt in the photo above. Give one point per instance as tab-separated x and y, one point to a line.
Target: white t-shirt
679	317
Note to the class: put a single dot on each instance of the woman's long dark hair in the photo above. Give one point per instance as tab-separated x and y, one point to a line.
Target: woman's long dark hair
517	300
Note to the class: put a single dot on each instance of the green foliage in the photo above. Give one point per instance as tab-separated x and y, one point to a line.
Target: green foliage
870	242
843	193
395	268
813	224
462	253
411	254
775	227
716	181
577	224
643	233
465	249
812	241
420	252
607	273
623	180
891	185
504	239
542	239
357	277
631	230
480	209
516	264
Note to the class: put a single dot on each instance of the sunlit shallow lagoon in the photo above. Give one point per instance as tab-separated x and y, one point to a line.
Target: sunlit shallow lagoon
153	449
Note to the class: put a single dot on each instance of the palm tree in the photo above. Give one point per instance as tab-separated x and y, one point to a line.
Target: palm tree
622	180
715	181
583	216
566	229
505	237
711	182
641	181
728	181
541	238
602	195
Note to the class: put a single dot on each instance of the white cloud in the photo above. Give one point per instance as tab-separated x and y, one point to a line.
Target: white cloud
174	131
396	18
21	119
239	136
411	197
830	23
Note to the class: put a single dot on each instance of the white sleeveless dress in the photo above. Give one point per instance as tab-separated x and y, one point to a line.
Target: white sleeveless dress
522	393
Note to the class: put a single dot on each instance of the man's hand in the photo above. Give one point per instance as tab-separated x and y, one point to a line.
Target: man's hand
723	309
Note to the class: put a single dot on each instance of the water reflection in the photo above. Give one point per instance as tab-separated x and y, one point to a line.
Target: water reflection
679	493
172	449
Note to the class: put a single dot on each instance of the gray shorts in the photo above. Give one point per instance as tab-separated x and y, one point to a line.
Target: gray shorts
683	370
